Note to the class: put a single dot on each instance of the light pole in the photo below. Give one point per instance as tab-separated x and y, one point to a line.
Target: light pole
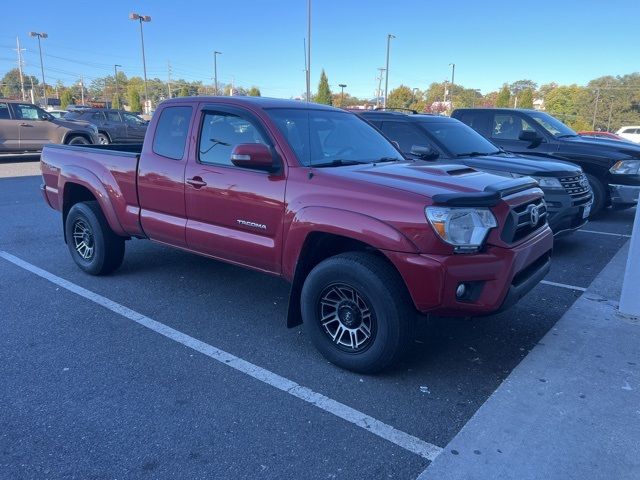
342	87
142	18
44	85
308	62
453	76
215	70
386	80
115	75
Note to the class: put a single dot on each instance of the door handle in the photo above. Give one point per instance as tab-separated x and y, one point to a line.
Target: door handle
196	182
25	125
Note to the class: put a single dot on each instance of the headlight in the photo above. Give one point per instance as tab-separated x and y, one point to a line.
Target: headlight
548	182
626	167
464	228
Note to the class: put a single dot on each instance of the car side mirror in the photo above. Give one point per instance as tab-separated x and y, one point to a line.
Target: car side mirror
424	151
255	156
530	136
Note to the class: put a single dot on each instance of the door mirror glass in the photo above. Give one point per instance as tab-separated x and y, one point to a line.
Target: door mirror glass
424	151
252	155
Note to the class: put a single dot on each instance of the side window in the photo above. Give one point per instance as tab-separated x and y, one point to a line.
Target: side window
4	111
221	132
479	121
509	127
133	120
113	117
172	130
96	117
405	134
24	111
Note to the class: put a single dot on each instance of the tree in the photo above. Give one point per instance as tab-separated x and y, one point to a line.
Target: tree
324	92
401	97
525	99
184	91
520	85
504	95
66	99
254	92
134	99
10	84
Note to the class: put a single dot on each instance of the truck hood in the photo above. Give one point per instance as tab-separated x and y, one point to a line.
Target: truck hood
73	124
603	146
419	177
521	165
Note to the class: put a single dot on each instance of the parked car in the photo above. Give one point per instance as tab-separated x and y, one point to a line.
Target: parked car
630	133
58	113
25	127
612	167
114	126
434	137
319	197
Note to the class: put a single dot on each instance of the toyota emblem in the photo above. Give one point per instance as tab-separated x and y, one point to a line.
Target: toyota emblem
534	216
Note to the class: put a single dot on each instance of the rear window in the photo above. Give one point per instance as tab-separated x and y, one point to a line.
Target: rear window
4	111
172	129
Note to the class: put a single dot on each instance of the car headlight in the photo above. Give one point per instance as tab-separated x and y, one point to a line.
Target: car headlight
548	182
464	228
626	167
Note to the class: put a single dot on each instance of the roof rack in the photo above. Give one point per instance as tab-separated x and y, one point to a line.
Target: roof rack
395	109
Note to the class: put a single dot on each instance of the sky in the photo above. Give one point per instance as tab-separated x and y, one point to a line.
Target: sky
491	42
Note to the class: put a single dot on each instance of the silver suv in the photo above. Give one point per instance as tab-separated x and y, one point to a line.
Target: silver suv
25	127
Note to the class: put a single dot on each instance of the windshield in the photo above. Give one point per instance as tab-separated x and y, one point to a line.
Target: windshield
553	125
459	139
326	138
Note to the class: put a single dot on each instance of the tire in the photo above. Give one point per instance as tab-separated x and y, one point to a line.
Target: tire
103	250
103	139
348	286
78	140
599	195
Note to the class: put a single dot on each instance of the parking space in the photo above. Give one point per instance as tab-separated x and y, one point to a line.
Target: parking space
133	401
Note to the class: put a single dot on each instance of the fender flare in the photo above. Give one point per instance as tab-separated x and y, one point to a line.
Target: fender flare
70	174
76	133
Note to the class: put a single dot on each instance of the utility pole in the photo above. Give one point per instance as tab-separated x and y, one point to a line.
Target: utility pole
342	87
169	75
595	110
33	100
82	89
610	111
386	80
453	77
20	65
142	18
115	76
379	91
215	71
40	35
308	51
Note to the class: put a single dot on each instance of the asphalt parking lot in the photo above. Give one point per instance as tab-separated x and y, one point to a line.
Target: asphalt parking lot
89	393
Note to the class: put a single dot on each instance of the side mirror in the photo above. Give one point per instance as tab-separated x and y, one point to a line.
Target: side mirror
424	151
256	156
530	136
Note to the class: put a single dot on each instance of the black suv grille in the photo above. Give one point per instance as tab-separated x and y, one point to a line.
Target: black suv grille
578	188
520	222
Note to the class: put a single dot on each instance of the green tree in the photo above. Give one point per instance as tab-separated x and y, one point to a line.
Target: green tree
504	95
66	98
115	103
324	92
254	92
10	84
184	91
400	97
525	98
134	99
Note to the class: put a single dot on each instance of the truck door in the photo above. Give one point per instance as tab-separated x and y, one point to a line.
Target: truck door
34	128
9	138
136	127
161	177
233	213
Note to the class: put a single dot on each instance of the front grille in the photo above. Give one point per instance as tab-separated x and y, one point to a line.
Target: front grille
578	188
520	221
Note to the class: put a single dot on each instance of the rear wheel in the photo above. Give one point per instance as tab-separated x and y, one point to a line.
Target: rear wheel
92	244
599	195
357	312
103	139
78	140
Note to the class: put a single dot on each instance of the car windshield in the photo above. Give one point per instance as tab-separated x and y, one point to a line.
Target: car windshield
552	125
332	138
459	139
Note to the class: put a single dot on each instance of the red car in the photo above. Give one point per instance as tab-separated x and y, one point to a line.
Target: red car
315	195
605	135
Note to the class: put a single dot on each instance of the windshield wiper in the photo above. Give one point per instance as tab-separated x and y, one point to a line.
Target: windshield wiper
338	162
387	159
567	135
478	154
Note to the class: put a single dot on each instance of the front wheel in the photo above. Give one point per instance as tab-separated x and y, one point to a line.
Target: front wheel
599	195
357	312
78	140
92	244
103	139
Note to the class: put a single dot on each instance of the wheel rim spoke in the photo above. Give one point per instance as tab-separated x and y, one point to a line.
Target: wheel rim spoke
83	240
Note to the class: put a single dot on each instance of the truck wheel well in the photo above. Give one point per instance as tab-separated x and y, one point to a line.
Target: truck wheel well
73	135
74	193
319	246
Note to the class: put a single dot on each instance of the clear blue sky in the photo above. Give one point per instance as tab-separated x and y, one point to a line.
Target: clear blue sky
262	41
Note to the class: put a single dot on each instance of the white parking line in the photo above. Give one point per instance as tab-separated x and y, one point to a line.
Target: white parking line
563	285
605	233
362	420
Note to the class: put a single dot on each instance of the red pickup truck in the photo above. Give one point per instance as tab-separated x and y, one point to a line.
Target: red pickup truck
315	195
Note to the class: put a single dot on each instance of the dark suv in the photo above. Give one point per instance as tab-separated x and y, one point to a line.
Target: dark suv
432	137
114	126
612	167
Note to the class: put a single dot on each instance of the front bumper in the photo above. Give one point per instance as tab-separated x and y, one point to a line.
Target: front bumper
566	214
497	277
624	194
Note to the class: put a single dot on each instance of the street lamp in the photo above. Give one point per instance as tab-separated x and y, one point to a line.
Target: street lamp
115	75
342	87
215	70
44	85
453	74
386	80
142	18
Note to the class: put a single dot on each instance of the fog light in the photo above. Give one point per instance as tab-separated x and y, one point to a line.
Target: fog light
461	290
